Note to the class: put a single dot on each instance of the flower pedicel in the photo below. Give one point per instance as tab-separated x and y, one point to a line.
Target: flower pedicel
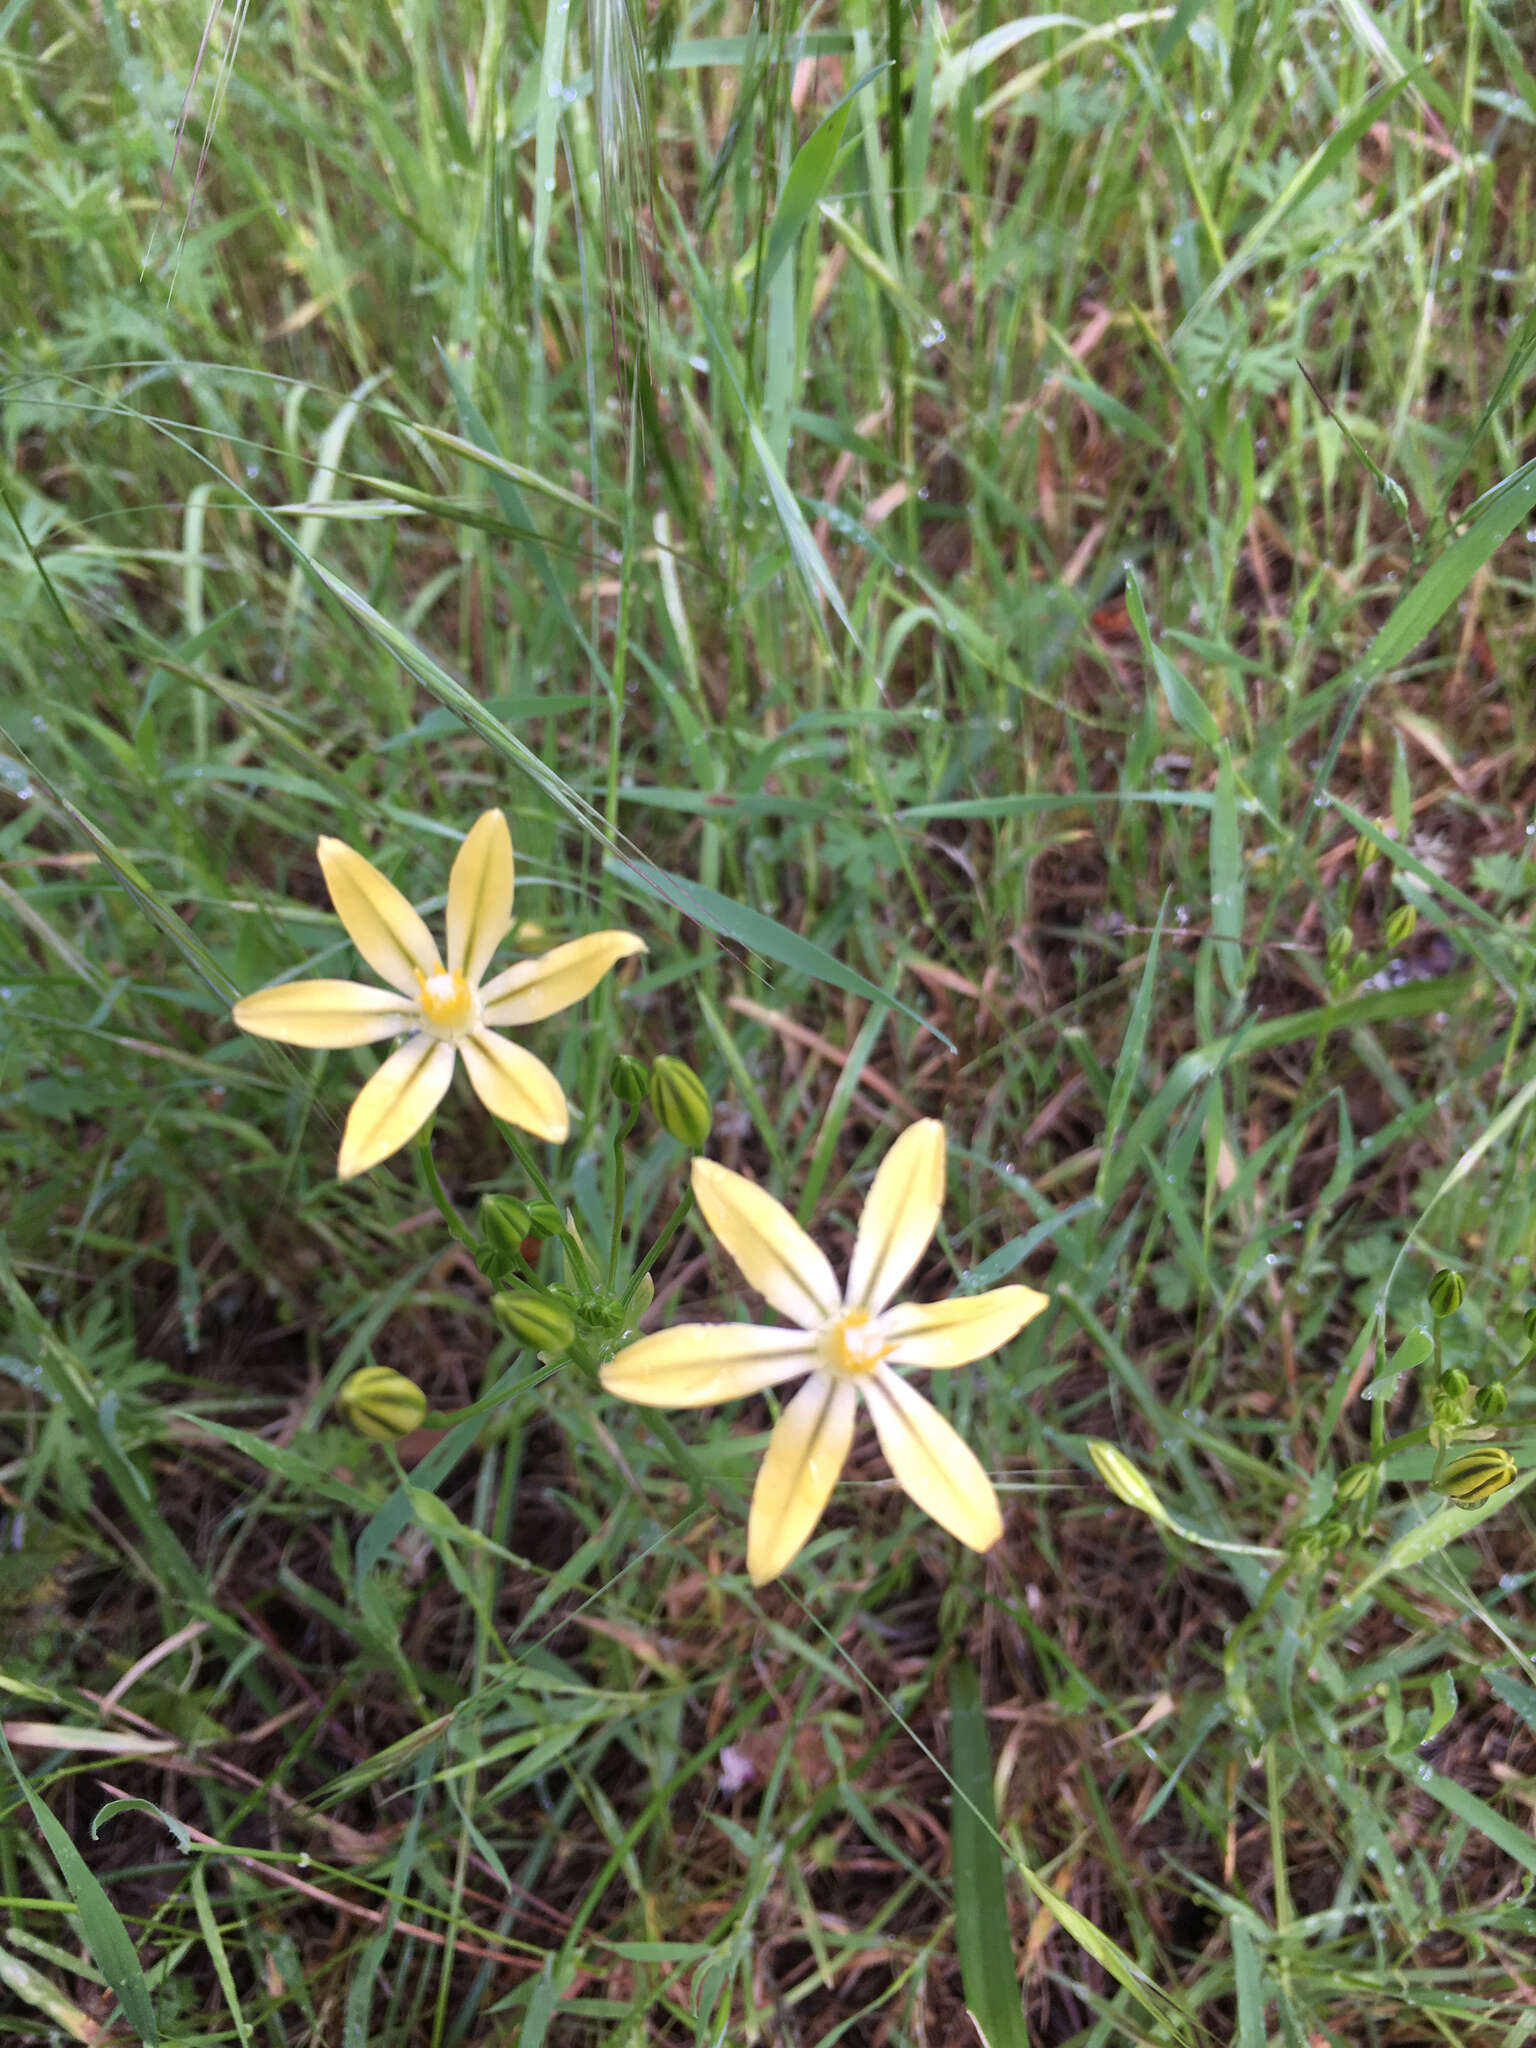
447	1009
846	1340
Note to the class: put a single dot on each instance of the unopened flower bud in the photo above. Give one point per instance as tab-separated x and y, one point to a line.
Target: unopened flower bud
1491	1401
681	1102
1529	1326
380	1403
1400	926
544	1220
627	1077
1445	1293
1454	1383
1340	945
1477	1475
535	1320
1352	1482
1366	850
503	1226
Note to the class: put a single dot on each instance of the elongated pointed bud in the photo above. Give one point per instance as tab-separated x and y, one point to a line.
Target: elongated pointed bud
1445	1293
1400	926
535	1320
628	1077
681	1102
1341	944
1125	1480
380	1403
1477	1476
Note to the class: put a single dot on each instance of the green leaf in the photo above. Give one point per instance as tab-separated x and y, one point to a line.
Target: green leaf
1227	874
1413	1351
759	933
1190	710
1250	1987
1128	1065
809	175
1516	1695
101	1925
982	1934
1493	518
1323	161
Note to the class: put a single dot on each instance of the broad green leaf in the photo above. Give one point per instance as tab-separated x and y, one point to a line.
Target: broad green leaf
988	1970
808	177
759	933
1486	527
1189	709
101	1925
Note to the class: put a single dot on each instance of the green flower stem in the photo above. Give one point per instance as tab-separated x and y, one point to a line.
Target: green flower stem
439	1193
526	1161
616	1241
669	1230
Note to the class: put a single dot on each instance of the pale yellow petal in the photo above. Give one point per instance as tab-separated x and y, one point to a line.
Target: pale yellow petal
698	1363
930	1461
515	1086
929	1335
480	897
320	1014
535	989
396	1103
380	923
806	1452
900	1216
774	1253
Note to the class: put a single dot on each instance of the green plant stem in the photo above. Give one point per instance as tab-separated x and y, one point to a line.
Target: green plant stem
439	1193
616	1238
668	1231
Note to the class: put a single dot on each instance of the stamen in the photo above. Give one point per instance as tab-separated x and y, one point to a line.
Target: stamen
851	1343
447	1002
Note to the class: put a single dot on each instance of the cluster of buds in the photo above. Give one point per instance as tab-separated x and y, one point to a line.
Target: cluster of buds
578	1317
678	1098
1345	965
1461	1413
1464	1417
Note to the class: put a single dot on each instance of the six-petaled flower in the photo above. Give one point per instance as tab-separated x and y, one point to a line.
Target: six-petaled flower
443	1003
846	1340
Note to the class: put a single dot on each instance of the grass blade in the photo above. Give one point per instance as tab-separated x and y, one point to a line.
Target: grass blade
982	1933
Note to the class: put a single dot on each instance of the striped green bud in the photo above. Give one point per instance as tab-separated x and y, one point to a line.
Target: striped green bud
627	1077
1529	1326
380	1403
1491	1401
544	1220
1340	945
535	1320
503	1226
1352	1482
1476	1476
1445	1293
1400	926
681	1102
1454	1383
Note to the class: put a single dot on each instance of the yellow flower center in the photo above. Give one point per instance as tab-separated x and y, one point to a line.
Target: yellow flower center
447	1002
851	1343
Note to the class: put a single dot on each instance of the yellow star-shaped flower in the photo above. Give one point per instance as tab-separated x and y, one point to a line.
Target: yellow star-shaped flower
447	1010
847	1340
